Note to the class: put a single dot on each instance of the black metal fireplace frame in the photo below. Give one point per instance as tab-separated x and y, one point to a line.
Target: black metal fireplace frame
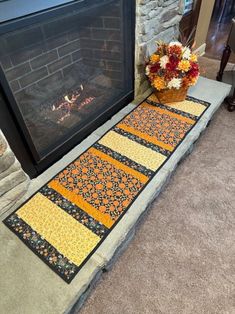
11	120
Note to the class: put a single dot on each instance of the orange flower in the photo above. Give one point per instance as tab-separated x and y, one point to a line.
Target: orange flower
194	80
154	58
175	50
186	82
159	83
189	81
184	65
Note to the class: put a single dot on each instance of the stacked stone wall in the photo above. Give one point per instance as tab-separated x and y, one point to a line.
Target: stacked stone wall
13	180
155	20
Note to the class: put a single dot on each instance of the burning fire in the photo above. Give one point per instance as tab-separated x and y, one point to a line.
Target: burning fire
71	103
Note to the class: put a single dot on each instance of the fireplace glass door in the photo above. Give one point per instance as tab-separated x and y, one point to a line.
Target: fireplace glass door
61	73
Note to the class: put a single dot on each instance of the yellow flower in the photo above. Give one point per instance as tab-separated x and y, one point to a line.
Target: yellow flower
159	83
193	58
184	65
154	58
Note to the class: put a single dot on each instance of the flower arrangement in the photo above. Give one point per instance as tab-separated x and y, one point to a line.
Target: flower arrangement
172	67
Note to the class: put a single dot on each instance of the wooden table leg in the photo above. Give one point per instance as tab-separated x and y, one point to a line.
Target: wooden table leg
224	61
231	102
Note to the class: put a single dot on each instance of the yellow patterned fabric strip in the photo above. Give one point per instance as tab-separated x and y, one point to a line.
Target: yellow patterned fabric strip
188	106
70	237
138	153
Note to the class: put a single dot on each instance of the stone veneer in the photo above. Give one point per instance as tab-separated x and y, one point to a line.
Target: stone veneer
155	19
13	181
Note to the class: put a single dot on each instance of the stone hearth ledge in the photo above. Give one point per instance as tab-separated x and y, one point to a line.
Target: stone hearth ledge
28	286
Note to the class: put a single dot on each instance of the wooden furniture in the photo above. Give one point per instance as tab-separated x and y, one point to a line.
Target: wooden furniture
229	47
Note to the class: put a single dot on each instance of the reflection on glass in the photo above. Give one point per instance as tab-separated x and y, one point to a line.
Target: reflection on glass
12	9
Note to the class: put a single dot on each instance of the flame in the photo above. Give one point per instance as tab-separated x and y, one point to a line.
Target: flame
69	104
67	99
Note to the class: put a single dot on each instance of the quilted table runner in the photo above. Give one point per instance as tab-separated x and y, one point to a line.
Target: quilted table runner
68	218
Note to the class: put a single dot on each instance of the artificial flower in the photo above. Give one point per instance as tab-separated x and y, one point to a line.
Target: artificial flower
161	49
163	61
175	50
184	65
186	81
193	57
159	83
175	43
186	53
194	80
154	68
189	81
172	64
169	75
194	71
174	83
154	58
147	70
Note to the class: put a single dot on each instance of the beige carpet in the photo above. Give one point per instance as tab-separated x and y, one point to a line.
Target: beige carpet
182	259
210	67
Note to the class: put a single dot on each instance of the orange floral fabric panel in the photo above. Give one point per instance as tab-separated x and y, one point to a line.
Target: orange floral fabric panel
107	188
156	125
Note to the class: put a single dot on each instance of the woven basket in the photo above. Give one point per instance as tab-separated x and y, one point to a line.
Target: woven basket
171	95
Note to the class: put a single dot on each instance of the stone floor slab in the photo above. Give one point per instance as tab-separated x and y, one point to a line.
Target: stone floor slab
28	286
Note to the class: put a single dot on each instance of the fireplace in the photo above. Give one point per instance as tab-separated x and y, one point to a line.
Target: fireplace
63	72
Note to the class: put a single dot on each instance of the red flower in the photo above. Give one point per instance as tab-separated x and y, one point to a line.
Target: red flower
194	66
194	71
172	65
154	68
175	50
169	75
